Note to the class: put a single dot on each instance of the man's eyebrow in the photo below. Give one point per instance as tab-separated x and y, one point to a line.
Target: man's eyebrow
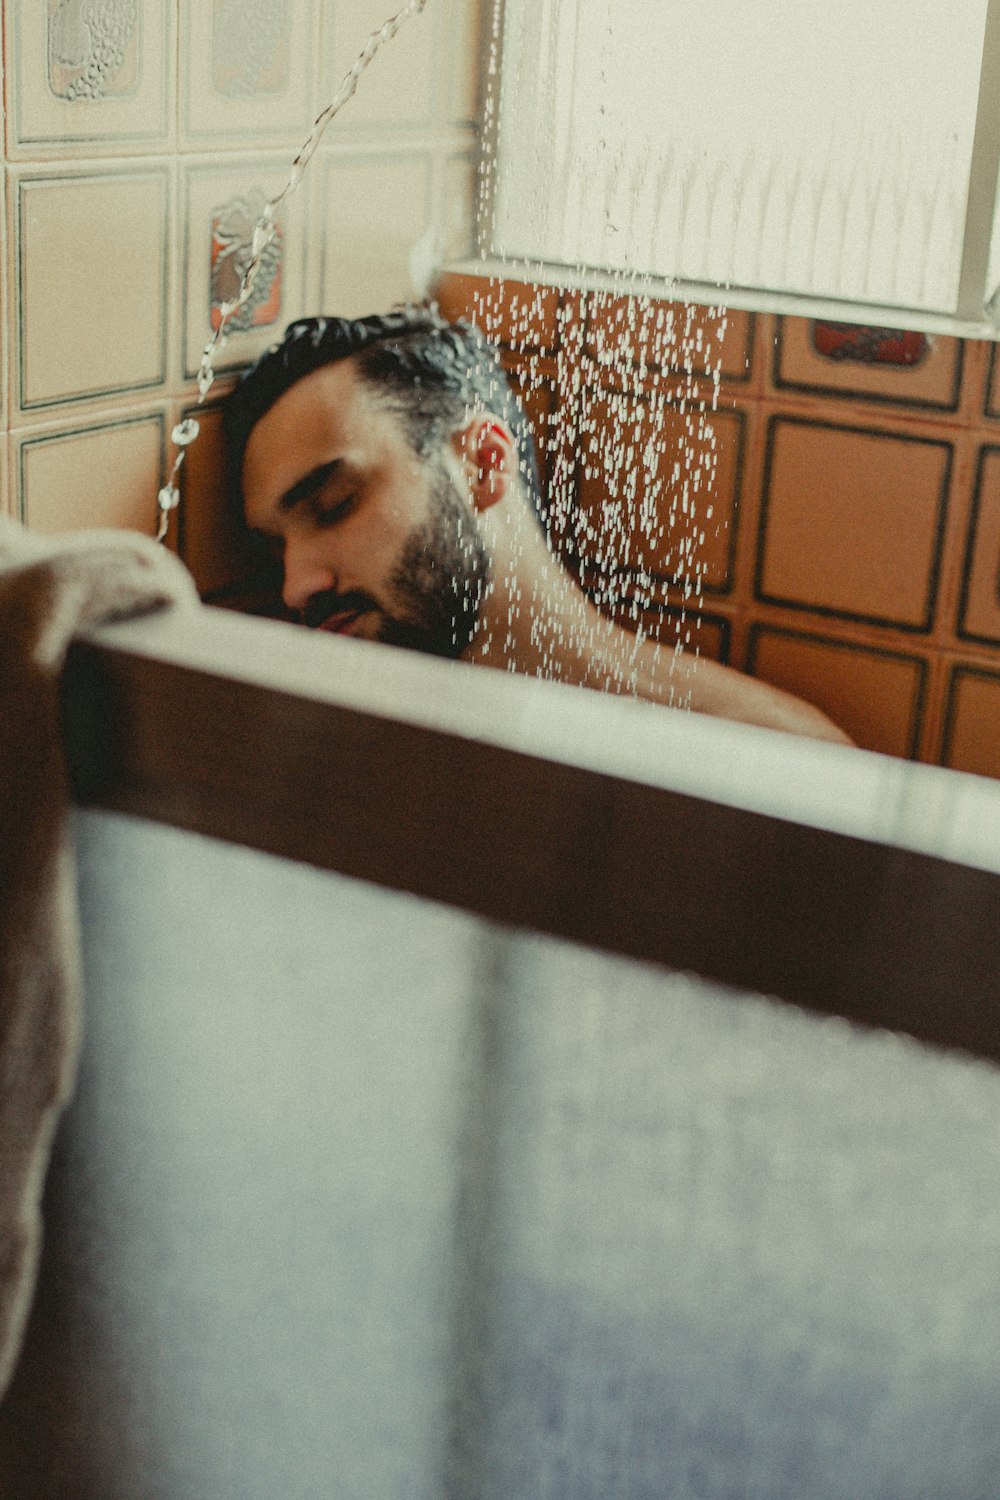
308	485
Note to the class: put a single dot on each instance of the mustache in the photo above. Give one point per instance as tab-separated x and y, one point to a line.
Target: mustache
321	606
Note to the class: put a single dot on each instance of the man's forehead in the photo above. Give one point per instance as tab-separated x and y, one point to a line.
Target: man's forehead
332	391
321	414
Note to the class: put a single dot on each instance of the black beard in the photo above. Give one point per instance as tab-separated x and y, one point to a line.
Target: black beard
440	579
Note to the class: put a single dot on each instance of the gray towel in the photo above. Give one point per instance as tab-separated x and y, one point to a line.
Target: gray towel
51	589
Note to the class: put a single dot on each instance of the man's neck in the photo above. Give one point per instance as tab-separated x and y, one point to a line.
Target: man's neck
536	620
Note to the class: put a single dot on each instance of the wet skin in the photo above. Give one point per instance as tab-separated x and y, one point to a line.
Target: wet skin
374	540
377	542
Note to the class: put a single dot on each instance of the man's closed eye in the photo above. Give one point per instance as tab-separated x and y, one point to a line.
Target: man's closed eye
330	514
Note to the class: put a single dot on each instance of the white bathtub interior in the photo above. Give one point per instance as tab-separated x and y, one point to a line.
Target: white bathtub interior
362	1196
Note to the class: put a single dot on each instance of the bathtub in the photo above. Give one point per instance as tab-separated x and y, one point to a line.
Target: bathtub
492	1089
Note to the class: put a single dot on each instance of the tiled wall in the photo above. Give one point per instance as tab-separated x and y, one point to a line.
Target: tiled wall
139	136
844	539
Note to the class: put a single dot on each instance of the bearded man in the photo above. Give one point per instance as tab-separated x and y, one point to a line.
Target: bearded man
387	465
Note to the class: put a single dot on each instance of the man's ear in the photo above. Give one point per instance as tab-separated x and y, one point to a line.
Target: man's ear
489	457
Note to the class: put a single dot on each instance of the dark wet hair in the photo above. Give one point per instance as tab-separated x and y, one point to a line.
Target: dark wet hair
432	373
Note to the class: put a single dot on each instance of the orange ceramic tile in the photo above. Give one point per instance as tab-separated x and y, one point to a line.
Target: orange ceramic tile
213	545
979	610
992	404
625	332
657	489
537	395
700	634
852	521
876	696
881	365
972	729
977	356
517	314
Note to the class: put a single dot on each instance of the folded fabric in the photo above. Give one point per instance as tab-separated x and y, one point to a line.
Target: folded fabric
51	589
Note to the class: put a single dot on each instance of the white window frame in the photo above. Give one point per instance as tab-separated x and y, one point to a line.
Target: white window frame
977	307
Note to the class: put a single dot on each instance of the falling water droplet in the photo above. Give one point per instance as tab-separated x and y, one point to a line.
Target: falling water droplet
185	432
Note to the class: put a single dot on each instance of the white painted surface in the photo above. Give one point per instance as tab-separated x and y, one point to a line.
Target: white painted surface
813	149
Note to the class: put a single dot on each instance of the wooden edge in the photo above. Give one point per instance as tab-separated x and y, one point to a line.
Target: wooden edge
849	926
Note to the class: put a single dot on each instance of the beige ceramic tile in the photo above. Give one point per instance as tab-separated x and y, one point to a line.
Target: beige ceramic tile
874	695
462	24
7	282
377	236
7	503
87	78
102	473
91	287
221	205
247	71
457	217
852	521
400	86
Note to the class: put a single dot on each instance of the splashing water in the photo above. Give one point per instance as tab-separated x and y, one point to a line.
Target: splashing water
263	235
632	451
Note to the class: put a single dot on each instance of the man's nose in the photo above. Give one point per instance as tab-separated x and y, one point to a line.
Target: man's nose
306	573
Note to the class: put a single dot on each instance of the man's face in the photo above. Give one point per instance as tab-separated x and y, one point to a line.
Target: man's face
374	540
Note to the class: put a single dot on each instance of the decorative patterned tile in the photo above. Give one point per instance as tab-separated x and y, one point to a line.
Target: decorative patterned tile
92	284
852	521
979	610
875	696
101	473
658	490
247	70
379	245
971	740
873	364
87	76
399	88
221	206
